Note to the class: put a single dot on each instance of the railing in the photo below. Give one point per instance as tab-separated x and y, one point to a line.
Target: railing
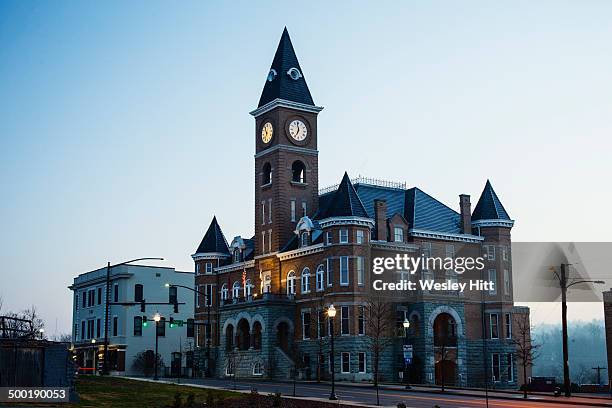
369	181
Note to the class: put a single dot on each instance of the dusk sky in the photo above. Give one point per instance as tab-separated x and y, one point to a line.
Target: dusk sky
124	126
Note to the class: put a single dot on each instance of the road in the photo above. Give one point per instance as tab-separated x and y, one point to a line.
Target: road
388	397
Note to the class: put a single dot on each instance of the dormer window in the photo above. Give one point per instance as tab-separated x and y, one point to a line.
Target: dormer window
237	255
398	234
304	239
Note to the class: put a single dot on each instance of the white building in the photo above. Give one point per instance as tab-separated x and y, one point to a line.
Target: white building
129	332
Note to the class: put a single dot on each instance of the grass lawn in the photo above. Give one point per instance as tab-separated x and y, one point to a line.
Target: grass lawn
117	392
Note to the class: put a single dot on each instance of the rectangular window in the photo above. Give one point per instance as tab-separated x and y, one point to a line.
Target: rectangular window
83	337
116	293
344	271
208	267
495	368
328	238
269	240
84	299
344	236
508	322
263	241
398	234
360	270
320	281
494	325
137	325
263	213
361	321
360	238
115	325
292	210
362	363
90	329
346	362
506	282
505	253
269	211
493	280
306	325
329	272
209	294
197	266
510	367
91	298
450	251
320	324
98	327
344	320
99	296
490	252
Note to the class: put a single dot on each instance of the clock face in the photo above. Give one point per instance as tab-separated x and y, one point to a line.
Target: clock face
266	132
298	130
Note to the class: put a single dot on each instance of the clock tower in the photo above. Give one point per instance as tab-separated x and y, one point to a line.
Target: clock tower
286	155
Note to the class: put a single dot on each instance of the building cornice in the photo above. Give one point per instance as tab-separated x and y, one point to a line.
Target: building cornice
394	246
328	222
493	223
209	255
235	267
287	148
283	103
311	249
445	236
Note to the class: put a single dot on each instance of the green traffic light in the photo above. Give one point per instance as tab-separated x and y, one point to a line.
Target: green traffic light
145	324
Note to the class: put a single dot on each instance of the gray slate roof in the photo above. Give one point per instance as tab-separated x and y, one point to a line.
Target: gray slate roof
489	207
214	240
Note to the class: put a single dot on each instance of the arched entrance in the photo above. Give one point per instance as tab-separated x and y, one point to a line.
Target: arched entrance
445	349
257	335
282	335
243	335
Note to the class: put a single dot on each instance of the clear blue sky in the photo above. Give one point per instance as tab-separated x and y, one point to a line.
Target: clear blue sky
124	126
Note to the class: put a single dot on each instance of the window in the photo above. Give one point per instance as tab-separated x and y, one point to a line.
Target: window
83	330
137	325
362	362
197	266
328	267
263	241
344	275
115	325
91	298
236	290
306	325
208	291
508	323
98	327
269	211
99	296
116	293
138	295
360	237
266	177
493	280
490	252
237	257
506	282
361	321
346	362
344	236
510	367
304	239
85	299
344	320
90	328
263	213
292	210
161	327
320	278
303	208
505	253
224	292
494	325
306	280
258	368
208	268
298	172
291	283
248	288
229	368
328	238
360	270
495	368
320	324
270	240
398	234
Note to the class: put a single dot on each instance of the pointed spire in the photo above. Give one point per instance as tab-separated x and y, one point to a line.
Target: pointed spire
345	202
214	240
489	207
285	79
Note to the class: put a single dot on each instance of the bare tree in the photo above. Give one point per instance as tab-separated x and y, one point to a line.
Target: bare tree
380	329
526	349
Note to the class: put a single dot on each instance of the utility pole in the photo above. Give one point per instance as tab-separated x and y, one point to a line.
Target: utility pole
598	369
566	374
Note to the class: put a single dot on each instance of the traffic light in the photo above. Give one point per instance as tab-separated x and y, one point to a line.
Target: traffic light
171	322
143	306
144	321
176	308
172	295
190	328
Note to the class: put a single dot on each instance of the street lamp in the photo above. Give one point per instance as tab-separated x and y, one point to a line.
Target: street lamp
406	325
331	313
157	319
106	304
41	333
563	282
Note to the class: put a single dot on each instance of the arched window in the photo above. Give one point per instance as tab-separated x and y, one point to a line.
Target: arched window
320	277
304	239
224	292
236	290
291	283
266	177
298	171
138	293
306	280
248	288
258	368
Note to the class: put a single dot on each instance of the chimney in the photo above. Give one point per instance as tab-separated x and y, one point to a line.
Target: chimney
466	213
380	217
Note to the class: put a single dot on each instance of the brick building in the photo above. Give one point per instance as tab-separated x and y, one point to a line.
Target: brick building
266	295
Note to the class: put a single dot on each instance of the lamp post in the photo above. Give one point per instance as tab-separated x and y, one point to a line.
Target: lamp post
106	305
564	284
406	325
41	332
157	319
331	313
